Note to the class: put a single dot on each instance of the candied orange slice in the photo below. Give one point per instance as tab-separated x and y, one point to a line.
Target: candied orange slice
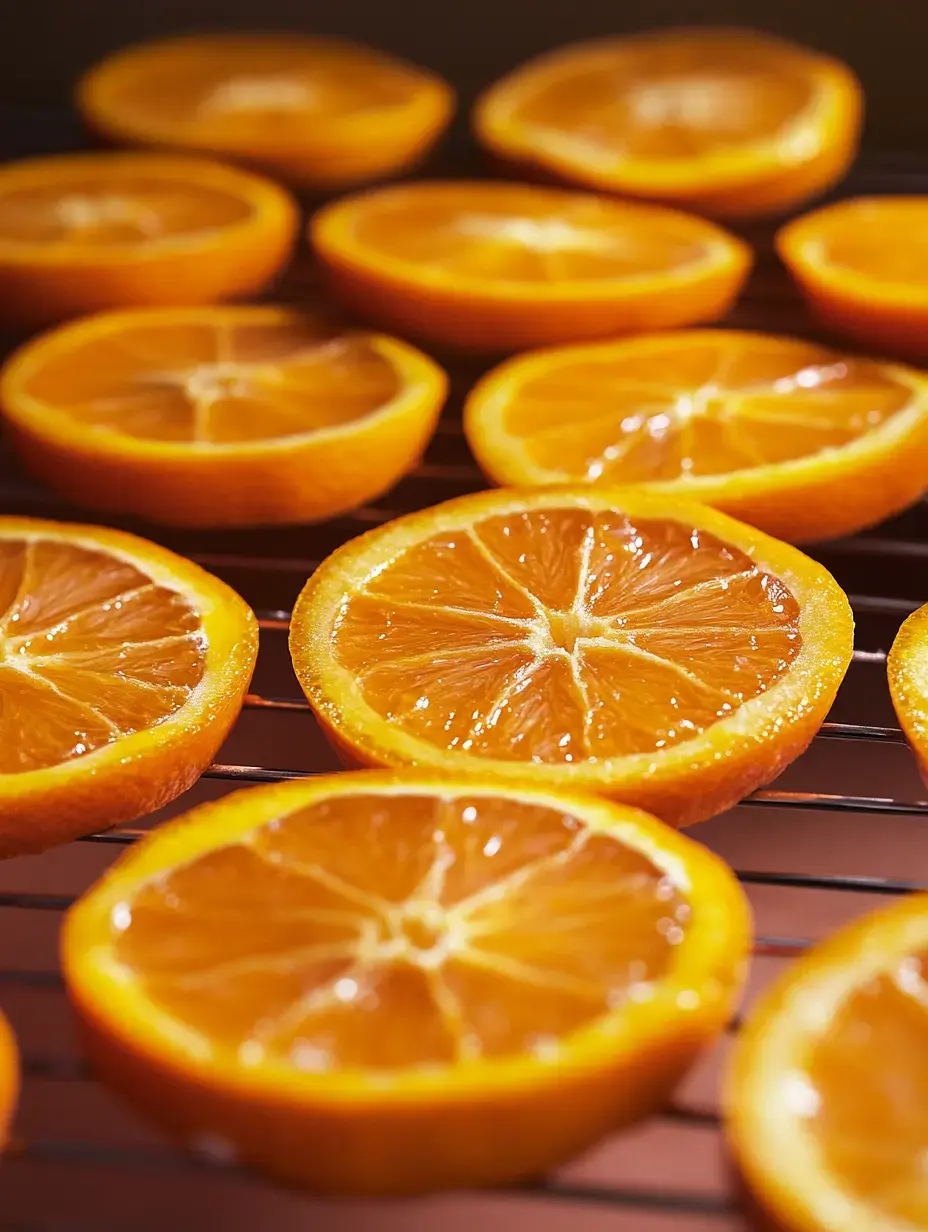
652	650
342	979
82	232
829	1083
220	416
317	112
9	1078
726	121
801	441
907	671
122	669
495	267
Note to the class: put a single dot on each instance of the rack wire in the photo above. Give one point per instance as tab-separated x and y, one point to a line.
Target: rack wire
835	836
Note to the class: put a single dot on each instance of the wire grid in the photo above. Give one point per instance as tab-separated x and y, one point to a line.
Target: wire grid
846	802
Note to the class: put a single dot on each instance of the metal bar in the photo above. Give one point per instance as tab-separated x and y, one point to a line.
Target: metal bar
855	885
679	1202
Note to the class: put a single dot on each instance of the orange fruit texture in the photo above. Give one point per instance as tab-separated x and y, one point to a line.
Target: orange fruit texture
393	983
603	639
728	122
84	232
491	266
862	265
220	416
9	1078
907	671
318	113
123	668
800	441
826	1093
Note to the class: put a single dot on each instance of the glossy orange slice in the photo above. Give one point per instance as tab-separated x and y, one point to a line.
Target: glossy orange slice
220	416
395	983
726	121
122	669
82	232
801	441
494	266
9	1078
635	645
907	670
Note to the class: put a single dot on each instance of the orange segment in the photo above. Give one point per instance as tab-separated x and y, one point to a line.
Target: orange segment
337	979
220	416
82	232
801	441
663	653
493	266
317	112
122	668
726	121
9	1078
907	671
826	1094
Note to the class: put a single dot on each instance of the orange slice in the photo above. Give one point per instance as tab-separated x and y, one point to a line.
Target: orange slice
390	983
122	669
81	232
907	670
863	268
220	416
639	646
492	266
317	112
9	1078
829	1083
798	440
726	121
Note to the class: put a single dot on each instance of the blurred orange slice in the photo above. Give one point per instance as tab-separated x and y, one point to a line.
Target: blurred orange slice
227	416
9	1078
397	983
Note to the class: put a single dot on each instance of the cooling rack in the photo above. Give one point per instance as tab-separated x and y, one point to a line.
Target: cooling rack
838	834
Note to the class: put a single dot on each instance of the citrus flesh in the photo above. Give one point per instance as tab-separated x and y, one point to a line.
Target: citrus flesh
907	672
9	1078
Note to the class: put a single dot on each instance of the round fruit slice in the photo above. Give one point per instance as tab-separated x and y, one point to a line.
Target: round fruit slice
827	1091
81	232
317	112
730	122
652	650
9	1078
495	267
795	439
396	982
122	669
907	670
863	268
220	416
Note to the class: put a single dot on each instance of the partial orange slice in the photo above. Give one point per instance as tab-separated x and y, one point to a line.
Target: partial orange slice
82	232
726	121
317	112
9	1078
652	650
863	268
801	441
122	669
828	1089
395	983
220	416
495	267
907	670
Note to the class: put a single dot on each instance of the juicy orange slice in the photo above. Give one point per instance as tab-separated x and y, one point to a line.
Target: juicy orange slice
728	121
907	670
639	646
493	266
220	416
122	669
81	232
9	1078
798	440
318	112
827	1093
342	980
863	267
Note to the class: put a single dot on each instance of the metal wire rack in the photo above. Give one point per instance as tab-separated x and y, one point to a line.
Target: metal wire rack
838	834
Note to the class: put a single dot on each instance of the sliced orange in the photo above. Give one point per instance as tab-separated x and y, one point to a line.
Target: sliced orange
82	232
122	669
828	1090
863	267
907	670
317	112
726	121
220	416
639	646
377	983
494	266
798	440
9	1078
